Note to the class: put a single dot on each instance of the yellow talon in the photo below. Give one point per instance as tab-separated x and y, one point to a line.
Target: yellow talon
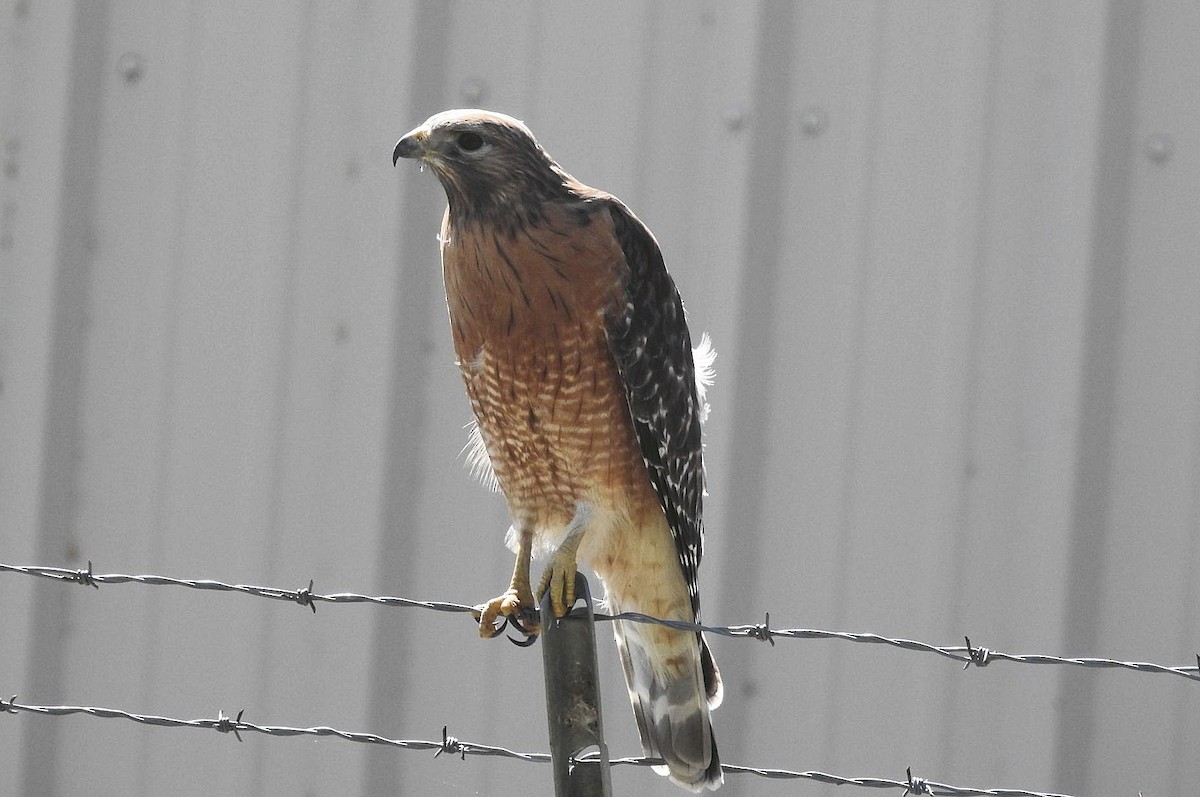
517	599
559	579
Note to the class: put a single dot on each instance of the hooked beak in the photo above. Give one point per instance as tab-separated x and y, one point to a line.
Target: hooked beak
411	146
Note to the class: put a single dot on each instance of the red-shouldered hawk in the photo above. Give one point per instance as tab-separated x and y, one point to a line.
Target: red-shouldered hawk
577	360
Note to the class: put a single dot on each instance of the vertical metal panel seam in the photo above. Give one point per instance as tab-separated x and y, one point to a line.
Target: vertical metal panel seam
652	38
1183	744
58	503
765	220
406	427
163	438
286	352
533	82
948	733
756	348
845	530
1097	403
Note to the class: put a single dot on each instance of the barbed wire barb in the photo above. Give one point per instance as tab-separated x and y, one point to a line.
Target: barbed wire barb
916	785
225	724
304	597
85	577
762	632
451	745
979	656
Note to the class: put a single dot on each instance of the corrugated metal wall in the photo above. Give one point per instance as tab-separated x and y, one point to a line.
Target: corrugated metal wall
948	256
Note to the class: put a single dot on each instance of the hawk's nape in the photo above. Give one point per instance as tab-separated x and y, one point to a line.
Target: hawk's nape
577	360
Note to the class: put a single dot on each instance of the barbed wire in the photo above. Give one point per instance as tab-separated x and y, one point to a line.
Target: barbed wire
454	746
967	654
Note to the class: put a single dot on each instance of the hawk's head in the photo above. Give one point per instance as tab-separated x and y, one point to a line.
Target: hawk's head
489	164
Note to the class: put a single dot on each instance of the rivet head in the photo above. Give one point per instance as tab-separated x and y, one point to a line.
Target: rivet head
473	90
734	118
1159	147
131	67
813	121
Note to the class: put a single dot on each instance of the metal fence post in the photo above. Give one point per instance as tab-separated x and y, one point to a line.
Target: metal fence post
573	698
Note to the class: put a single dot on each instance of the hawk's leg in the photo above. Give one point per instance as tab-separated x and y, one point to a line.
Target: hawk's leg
518	599
559	576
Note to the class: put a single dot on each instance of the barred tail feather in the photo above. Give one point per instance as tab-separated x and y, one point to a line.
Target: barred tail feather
672	711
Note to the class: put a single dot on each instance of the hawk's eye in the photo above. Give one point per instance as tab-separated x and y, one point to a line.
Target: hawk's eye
469	141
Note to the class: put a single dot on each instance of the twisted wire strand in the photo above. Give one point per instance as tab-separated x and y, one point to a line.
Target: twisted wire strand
236	725
450	744
304	597
968	655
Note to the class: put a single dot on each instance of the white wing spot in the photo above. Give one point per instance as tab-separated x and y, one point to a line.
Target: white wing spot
703	356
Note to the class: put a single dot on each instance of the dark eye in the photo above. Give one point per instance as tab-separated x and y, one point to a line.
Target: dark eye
469	141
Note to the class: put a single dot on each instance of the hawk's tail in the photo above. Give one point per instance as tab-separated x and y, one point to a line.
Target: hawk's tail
673	682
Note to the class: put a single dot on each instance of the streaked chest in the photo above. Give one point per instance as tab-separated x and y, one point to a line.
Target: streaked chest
527	315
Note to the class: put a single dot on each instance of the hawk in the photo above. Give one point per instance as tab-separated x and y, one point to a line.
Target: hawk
573	345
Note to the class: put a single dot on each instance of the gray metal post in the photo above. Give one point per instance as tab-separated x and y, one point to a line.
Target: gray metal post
573	698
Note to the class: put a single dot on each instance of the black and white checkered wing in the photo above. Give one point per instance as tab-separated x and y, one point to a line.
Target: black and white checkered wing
649	339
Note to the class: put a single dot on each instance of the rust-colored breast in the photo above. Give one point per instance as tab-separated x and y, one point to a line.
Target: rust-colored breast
527	315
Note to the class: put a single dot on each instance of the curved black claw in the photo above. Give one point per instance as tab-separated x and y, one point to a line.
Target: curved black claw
495	630
530	627
523	643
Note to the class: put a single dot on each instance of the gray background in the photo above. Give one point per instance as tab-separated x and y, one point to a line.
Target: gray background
947	253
